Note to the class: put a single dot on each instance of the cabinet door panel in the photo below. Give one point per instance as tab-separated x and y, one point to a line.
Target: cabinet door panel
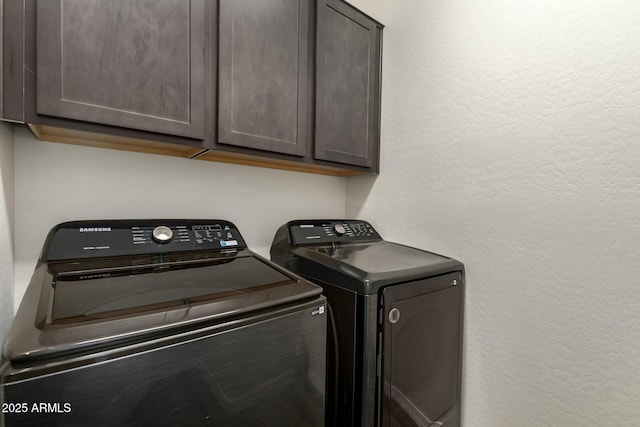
347	73
136	64
264	74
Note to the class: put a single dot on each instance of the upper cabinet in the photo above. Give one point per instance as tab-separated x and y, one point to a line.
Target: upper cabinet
264	76
347	85
136	64
289	84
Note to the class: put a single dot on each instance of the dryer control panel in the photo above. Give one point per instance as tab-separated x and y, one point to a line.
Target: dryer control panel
333	231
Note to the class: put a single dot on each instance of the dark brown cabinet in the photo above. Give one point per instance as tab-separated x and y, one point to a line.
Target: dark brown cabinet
136	64
268	61
347	85
264	96
288	84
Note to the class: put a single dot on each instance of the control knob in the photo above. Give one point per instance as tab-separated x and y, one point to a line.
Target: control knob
162	234
339	229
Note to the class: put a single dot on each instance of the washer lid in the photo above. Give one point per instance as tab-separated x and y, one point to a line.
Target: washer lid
85	295
82	305
365	267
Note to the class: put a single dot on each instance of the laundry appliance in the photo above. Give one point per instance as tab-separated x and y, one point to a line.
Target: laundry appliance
163	322
395	323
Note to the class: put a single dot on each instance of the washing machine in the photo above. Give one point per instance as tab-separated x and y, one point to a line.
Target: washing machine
163	322
394	352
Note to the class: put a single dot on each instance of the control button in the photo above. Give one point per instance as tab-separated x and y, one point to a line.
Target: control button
339	229
162	234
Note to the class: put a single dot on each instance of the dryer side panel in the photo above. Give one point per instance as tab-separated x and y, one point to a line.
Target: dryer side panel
421	352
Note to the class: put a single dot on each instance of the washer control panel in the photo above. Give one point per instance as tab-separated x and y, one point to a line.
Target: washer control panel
91	239
331	231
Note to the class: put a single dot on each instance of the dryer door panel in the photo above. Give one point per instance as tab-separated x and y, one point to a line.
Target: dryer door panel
421	351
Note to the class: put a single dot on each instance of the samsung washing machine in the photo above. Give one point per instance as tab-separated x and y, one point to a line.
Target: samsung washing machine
394	352
163	322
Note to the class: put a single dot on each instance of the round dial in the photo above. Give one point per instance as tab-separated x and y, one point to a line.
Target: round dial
162	234
339	229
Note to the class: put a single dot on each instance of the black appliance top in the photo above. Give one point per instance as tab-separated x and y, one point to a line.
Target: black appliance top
99	282
351	254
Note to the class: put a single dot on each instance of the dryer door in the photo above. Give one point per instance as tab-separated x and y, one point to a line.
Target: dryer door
422	352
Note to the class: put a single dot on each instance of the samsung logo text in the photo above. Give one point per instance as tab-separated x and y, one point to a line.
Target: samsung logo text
94	229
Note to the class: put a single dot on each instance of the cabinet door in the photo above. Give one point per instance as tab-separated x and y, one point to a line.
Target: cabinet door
264	82
347	85
136	64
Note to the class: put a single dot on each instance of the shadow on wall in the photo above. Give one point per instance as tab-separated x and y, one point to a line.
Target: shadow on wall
358	190
6	172
6	229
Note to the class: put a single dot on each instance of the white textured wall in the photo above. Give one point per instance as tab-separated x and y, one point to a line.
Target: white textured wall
511	140
59	182
6	229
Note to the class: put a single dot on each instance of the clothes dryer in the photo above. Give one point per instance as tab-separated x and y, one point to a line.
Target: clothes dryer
396	316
